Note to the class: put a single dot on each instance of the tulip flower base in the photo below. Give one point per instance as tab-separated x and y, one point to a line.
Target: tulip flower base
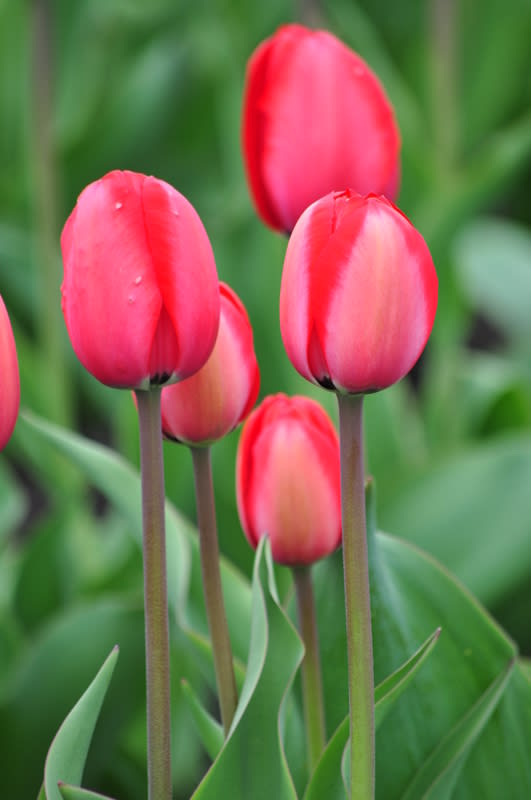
452	707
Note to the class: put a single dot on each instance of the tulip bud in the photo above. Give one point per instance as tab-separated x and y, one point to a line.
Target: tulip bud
288	480
140	292
9	379
211	403
358	294
315	120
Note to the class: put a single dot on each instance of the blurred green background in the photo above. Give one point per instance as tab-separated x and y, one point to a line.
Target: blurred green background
95	85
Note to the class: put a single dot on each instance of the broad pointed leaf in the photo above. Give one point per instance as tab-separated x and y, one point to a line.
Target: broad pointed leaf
68	751
252	762
209	730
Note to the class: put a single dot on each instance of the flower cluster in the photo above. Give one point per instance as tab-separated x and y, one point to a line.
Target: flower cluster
145	311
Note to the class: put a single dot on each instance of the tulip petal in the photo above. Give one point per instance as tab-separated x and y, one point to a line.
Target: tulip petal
9	378
315	119
110	295
184	269
288	482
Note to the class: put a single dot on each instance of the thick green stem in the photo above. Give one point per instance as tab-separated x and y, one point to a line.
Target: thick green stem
213	590
312	686
357	599
155	597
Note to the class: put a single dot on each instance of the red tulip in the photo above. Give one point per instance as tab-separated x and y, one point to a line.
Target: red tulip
140	291
9	379
315	120
216	399
358	294
287	479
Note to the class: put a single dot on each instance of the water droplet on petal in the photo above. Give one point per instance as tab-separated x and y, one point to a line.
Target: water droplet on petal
130	299
118	206
138	280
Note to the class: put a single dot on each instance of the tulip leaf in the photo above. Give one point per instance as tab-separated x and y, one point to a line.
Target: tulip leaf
68	751
68	792
412	594
202	650
489	487
326	779
120	483
209	730
438	774
494	261
252	761
390	689
51	674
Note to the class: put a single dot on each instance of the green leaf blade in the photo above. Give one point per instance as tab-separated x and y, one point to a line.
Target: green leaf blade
68	751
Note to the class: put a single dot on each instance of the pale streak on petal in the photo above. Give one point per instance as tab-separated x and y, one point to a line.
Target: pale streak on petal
377	316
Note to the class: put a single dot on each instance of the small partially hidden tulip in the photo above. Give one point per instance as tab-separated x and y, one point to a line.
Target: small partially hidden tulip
9	378
288	479
358	295
140	291
315	119
211	403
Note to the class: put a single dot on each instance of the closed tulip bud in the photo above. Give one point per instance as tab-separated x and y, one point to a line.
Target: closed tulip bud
288	481
358	294
211	403
140	291
9	378
315	120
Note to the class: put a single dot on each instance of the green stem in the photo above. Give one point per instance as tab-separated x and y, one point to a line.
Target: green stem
357	599
312	687
57	401
155	597
445	116
213	590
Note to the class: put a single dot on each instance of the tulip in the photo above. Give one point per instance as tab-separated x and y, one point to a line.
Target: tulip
9	380
358	294
140	292
315	119
211	403
287	479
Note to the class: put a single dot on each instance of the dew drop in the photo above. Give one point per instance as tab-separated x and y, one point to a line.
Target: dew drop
138	280
118	206
130	299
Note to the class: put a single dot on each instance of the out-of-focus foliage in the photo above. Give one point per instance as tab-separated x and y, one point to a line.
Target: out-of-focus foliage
95	85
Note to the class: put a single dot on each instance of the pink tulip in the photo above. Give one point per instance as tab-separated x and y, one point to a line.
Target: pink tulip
358	294
140	292
216	399
9	379
287	479
315	120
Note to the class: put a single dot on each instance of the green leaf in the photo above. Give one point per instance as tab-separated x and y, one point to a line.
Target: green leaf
439	773
389	690
209	730
326	780
120	483
482	535
12	502
494	264
500	757
411	595
48	678
68	751
252	761
68	792
412	591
